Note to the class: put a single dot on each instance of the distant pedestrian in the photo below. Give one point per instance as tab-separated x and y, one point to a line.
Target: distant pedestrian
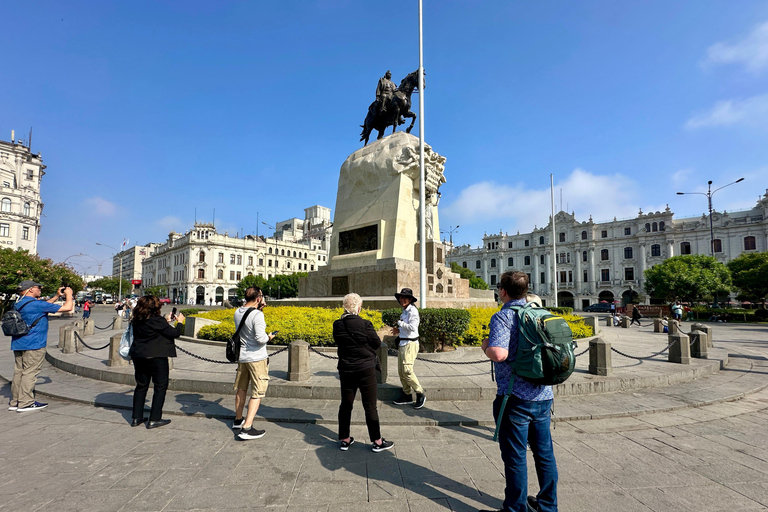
153	344
407	332
86	309
29	349
636	316
677	311
253	365
358	346
210	301
526	418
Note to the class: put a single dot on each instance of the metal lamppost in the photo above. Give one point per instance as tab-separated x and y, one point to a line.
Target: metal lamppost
270	227
450	232
709	195
120	276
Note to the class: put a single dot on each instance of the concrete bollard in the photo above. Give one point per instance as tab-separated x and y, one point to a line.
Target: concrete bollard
609	321
673	326
592	322
115	359
625	322
193	324
118	325
68	346
600	357
680	351
298	360
78	326
698	342
709	329
383	353
88	327
657	327
61	335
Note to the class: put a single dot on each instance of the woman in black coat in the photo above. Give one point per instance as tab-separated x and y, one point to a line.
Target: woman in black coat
153	344
357	345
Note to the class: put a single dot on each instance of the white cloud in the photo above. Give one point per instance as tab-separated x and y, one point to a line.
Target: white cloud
682	177
602	197
752	51
170	222
749	111
100	206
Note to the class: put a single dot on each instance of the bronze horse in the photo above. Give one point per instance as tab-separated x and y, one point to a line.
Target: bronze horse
399	106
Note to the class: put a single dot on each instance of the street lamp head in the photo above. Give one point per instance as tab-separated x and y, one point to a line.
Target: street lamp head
709	182
681	193
739	180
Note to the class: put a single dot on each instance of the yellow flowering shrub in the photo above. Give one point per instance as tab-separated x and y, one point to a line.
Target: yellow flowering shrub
478	325
313	325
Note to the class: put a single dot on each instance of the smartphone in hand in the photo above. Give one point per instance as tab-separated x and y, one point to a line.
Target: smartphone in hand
273	333
173	313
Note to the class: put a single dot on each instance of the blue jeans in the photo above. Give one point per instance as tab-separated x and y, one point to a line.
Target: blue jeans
524	423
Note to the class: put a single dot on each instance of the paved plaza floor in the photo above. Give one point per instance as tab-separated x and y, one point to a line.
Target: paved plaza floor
688	457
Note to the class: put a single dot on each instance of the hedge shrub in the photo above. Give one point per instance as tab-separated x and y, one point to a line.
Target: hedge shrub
437	326
761	315
560	311
313	325
189	311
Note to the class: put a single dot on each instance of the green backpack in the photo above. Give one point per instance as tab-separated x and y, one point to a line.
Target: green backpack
544	350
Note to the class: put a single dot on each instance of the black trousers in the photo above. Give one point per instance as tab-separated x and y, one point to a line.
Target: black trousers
365	381
156	369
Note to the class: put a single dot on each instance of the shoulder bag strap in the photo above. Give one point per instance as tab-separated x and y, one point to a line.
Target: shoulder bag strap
25	305
242	322
516	309
344	321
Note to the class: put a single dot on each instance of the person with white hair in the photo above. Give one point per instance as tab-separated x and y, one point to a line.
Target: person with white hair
358	344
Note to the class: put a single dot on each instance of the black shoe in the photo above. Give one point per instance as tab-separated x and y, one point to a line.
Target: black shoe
251	433
138	421
346	444
420	400
404	399
533	504
385	445
158	423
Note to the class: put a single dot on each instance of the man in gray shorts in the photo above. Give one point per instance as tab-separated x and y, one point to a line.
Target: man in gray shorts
253	365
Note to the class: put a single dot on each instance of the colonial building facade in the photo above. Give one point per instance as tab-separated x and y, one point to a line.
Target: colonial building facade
607	260
131	261
21	173
203	266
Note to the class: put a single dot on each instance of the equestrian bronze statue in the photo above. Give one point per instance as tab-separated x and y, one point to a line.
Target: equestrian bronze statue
391	109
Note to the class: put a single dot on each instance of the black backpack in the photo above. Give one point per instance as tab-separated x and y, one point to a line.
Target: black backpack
14	324
233	343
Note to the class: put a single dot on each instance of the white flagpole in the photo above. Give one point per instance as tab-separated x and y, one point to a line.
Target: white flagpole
422	179
554	246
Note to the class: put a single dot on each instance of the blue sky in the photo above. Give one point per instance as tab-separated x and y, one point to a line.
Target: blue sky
147	110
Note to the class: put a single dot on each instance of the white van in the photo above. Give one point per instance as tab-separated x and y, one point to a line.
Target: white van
107	298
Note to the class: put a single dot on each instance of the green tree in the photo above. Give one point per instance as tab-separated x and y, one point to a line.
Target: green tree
247	282
750	275
157	291
112	285
17	266
691	278
465	273
284	286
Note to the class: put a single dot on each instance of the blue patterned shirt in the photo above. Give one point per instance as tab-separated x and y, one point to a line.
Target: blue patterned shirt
504	334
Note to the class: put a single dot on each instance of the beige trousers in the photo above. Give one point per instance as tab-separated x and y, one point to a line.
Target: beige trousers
406	356
28	364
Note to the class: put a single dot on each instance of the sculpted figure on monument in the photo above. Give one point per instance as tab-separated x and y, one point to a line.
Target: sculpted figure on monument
391	106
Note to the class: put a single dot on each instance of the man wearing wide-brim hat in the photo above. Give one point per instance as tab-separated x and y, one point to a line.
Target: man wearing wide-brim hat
407	332
29	349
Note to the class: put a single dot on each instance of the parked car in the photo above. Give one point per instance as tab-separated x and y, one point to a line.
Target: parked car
600	307
165	300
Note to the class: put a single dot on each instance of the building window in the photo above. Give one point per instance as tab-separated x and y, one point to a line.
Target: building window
627	253
661	226
221	257
509	245
239	259
464	264
231	275
685	248
201	259
570	276
493	279
270	250
5	205
583	255
605	274
655	250
749	243
282	252
541	259
477	264
250	260
231	259
287	264
239	276
562	276
5	230
562	237
269	263
629	274
541	240
30	174
604	254
648	227
527	243
627	231
493	262
586	276
25	233
583	235
201	273
604	234
510	262
529	280
528	260
542	278
312	267
717	245
27	209
220	274
655	227
261	262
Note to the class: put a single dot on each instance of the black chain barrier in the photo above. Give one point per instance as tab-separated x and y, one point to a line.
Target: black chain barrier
104	328
321	354
581	353
222	362
646	357
77	336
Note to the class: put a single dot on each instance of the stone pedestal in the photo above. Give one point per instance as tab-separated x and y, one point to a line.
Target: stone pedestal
698	343
68	345
88	327
600	362
115	359
298	360
709	329
609	321
118	325
674	326
625	320
381	376
657	326
192	325
680	351
591	321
